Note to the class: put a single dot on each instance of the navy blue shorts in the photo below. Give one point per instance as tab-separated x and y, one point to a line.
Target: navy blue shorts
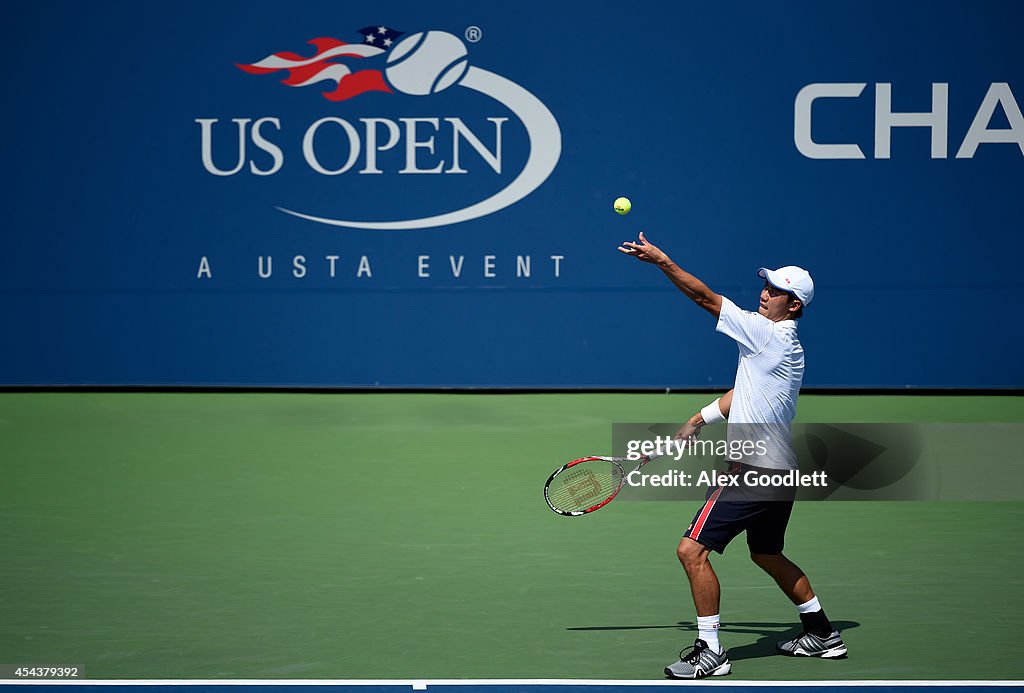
729	510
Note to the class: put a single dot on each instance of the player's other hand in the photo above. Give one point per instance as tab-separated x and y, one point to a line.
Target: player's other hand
691	429
644	250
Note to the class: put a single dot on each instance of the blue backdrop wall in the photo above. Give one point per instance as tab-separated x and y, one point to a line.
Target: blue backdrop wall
420	194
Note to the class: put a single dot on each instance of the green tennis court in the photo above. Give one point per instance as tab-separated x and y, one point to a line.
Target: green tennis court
366	536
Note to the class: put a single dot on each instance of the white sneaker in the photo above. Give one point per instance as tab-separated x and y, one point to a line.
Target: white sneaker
811	645
699	662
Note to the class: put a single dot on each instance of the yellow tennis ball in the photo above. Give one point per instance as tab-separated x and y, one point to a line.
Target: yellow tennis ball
623	205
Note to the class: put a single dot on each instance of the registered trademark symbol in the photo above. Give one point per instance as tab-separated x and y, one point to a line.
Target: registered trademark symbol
474	34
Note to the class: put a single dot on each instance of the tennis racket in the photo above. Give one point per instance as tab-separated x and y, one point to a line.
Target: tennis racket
588	484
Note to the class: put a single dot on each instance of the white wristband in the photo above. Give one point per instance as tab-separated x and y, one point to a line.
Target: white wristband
712	414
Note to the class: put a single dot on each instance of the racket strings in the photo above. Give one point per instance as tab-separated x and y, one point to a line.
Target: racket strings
584	485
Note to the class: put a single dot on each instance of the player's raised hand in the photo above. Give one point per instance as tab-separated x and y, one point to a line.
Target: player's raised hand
643	250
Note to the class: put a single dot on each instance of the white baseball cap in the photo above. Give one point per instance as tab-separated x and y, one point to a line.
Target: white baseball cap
791	278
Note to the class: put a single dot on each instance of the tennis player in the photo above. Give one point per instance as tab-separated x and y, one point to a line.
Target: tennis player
762	403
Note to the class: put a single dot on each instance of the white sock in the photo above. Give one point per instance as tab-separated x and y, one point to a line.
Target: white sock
707	630
808	607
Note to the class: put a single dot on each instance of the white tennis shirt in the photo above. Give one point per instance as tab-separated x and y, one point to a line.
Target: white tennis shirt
768	378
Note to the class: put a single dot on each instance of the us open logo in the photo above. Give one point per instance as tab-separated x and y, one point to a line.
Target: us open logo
419	65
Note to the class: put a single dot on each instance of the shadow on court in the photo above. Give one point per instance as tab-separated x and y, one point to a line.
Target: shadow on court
770	634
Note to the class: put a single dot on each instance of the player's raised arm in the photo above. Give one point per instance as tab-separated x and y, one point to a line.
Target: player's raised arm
696	290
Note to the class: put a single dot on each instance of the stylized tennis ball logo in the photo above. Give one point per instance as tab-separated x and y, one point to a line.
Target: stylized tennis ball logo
426	63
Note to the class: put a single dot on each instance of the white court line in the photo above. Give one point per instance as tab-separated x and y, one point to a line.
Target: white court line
419	685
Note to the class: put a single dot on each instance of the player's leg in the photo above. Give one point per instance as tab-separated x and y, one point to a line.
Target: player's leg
765	539
787	575
704	585
706	657
713	527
